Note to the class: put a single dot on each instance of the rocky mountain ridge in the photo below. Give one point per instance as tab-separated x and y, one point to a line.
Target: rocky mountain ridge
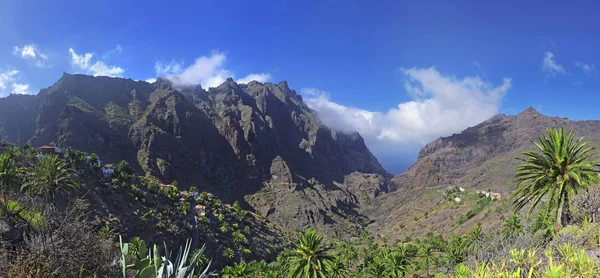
481	157
254	142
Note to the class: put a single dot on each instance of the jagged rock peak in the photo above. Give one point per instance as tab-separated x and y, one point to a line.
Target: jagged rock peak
283	85
530	111
163	83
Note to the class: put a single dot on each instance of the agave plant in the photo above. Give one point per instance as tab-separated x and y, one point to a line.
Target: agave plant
152	264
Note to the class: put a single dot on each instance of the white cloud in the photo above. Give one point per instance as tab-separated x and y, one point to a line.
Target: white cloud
441	105
101	69
98	68
260	77
7	77
20	89
171	68
8	83
27	51
31	51
208	71
587	68
82	61
550	66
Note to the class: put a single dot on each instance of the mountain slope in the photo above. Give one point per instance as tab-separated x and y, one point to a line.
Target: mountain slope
254	142
479	158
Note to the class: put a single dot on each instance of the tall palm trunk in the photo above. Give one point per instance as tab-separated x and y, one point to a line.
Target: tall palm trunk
565	213
559	214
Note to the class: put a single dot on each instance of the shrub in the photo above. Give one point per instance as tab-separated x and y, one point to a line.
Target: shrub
123	169
582	236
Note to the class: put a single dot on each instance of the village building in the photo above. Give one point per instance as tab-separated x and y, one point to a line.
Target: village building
108	172
165	186
186	193
200	208
492	195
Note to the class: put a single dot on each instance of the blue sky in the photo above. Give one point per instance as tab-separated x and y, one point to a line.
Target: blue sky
401	73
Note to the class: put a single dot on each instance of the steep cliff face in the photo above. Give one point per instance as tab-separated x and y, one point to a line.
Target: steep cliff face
479	158
454	156
254	142
17	118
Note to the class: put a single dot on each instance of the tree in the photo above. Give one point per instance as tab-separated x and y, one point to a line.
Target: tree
559	169
228	253
75	158
426	252
94	160
123	169
476	234
398	262
337	269
237	270
347	253
310	256
49	176
543	222
512	227
376	268
457	249
9	177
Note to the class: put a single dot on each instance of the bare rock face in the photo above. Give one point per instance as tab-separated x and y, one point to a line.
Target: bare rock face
366	187
235	141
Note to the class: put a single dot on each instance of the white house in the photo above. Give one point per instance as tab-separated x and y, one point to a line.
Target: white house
108	172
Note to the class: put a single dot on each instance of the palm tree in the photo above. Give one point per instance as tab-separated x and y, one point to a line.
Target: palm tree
544	222
238	270
337	269
476	234
456	250
48	177
512	227
75	159
561	167
9	177
348	253
376	267
310	256
398	262
426	252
